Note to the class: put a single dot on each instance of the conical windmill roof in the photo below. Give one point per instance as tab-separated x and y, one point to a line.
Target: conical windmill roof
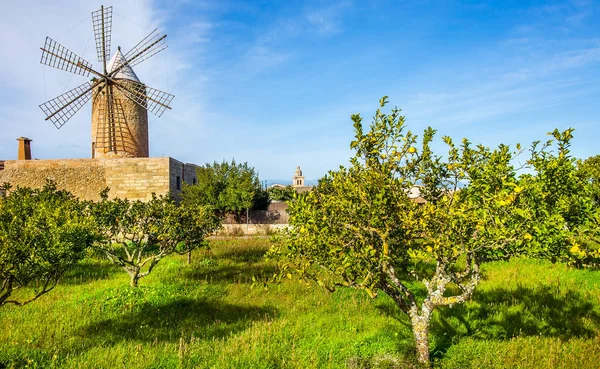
124	73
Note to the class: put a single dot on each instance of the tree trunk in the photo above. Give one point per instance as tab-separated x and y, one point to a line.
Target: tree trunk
6	290
135	277
189	254
420	326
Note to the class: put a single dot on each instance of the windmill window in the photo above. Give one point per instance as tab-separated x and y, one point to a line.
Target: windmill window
178	183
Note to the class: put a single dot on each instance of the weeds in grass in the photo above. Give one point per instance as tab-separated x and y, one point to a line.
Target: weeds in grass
526	314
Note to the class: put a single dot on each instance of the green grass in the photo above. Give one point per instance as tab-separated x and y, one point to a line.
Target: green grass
525	314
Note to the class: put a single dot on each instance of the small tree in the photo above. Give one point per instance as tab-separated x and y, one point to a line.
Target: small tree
137	235
190	225
43	232
571	188
228	188
590	172
360	229
281	194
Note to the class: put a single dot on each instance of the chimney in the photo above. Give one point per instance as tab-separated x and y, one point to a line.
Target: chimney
24	148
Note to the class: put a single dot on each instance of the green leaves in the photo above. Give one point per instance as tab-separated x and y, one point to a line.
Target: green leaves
360	228
137	235
227	187
361	218
383	101
43	232
286	193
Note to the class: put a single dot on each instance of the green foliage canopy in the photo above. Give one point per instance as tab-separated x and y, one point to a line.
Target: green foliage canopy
136	235
360	229
43	232
590	172
227	187
587	250
281	194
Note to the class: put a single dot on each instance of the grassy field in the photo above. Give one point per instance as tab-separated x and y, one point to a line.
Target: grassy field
525	314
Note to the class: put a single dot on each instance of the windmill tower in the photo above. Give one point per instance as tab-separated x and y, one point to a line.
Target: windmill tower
120	102
126	135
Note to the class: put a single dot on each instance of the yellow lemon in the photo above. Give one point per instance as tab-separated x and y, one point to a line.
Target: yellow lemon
412	150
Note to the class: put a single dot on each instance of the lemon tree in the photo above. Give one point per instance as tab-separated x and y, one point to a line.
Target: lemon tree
360	228
137	235
43	233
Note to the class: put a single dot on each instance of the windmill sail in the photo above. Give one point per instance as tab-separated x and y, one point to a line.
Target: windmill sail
102	24
60	109
151	99
120	102
147	48
57	56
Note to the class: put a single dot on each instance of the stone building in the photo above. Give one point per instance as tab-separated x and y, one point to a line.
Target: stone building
120	131
119	152
298	182
131	178
298	178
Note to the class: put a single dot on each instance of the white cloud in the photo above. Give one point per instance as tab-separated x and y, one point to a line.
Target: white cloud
327	20
271	46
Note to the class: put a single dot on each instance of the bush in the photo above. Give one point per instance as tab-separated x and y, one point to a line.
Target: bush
43	232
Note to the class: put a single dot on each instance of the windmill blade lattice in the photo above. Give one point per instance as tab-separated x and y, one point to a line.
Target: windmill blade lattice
120	101
60	109
57	56
151	99
145	49
102	24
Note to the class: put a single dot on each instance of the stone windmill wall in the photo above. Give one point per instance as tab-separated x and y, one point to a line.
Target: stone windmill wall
120	132
127	136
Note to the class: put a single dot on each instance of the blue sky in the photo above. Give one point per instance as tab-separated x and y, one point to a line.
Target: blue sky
274	83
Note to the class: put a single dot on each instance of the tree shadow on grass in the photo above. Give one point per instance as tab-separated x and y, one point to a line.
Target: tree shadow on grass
501	313
249	254
183	317
231	273
89	270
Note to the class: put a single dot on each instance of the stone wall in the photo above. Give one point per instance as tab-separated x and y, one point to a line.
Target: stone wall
258	217
127	134
131	178
190	173
250	230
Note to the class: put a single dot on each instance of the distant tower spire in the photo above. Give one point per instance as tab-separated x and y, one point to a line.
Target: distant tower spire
298	178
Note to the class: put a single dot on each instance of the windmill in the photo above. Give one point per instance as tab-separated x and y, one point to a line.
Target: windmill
120	102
